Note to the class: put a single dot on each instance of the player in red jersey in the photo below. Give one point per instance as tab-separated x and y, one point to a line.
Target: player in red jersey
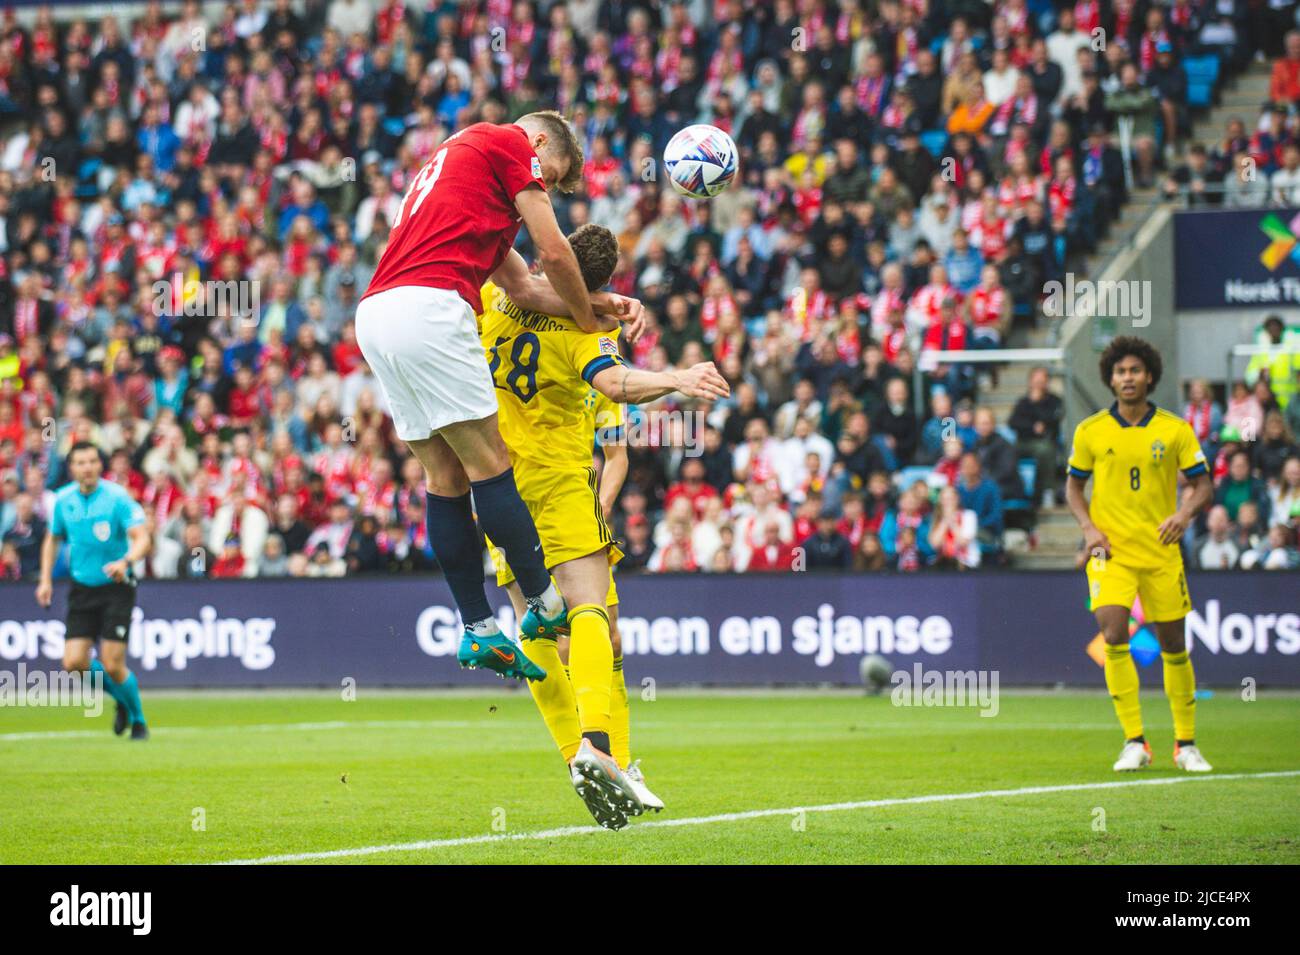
416	327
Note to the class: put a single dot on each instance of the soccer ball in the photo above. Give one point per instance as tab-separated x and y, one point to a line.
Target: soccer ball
701	161
875	671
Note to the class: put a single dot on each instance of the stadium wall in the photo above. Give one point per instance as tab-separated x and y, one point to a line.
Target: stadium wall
1148	265
809	629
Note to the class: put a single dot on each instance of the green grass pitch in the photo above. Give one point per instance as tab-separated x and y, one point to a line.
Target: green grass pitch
249	775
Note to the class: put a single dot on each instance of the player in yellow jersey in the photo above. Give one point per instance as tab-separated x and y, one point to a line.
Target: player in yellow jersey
544	369
1133	527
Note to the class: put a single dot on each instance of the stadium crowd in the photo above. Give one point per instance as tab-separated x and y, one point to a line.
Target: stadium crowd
911	175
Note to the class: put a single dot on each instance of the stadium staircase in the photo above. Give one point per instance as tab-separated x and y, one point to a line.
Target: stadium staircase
1055	540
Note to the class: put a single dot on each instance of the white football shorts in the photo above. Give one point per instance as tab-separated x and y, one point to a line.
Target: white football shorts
422	344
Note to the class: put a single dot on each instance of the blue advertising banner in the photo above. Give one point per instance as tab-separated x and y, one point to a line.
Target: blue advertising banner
783	629
1242	258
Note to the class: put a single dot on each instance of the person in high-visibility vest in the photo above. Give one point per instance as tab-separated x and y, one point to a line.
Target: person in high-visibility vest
1281	368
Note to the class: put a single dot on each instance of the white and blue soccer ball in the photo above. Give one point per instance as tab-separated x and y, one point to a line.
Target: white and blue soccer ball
701	161
875	671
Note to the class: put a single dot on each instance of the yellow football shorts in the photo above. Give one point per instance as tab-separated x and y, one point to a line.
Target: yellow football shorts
1163	589
565	506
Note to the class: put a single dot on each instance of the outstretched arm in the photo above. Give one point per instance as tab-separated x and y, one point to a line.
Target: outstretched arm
623	384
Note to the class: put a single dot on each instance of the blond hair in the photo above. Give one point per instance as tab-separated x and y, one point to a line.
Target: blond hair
562	140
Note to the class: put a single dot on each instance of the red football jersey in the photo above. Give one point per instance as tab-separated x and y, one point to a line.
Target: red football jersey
458	220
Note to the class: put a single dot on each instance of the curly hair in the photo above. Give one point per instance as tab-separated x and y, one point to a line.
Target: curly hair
1130	345
596	249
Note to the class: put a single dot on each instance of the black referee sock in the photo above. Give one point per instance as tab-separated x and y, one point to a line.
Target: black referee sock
506	521
455	540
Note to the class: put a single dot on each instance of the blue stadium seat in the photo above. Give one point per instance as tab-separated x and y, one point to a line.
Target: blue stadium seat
1202	76
1202	68
88	179
934	140
1029	478
1028	469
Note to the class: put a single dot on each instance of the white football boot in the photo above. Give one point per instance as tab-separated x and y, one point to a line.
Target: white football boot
1133	756
648	799
598	780
1190	759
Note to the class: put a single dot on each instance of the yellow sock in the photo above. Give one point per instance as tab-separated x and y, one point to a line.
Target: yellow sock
591	663
620	722
1122	681
554	696
1180	687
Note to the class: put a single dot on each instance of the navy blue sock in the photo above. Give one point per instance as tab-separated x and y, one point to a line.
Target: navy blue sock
507	522
456	544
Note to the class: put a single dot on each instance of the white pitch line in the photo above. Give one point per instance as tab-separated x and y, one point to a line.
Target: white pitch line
567	831
255	728
865	728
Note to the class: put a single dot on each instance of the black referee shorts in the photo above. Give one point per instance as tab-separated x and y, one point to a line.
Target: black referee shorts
100	613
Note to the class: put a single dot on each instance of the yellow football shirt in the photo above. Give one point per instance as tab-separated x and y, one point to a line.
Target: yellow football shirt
542	366
1134	470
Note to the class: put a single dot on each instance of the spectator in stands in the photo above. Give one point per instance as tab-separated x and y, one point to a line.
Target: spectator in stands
953	532
1284	184
691	486
1284	497
1204	414
909	515
1248	530
1273	448
25	534
896	423
1284	84
1245	414
637	548
998	460
1240	486
1217	550
1036	420
1135	103
1278	552
1194	180
827	548
980	494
